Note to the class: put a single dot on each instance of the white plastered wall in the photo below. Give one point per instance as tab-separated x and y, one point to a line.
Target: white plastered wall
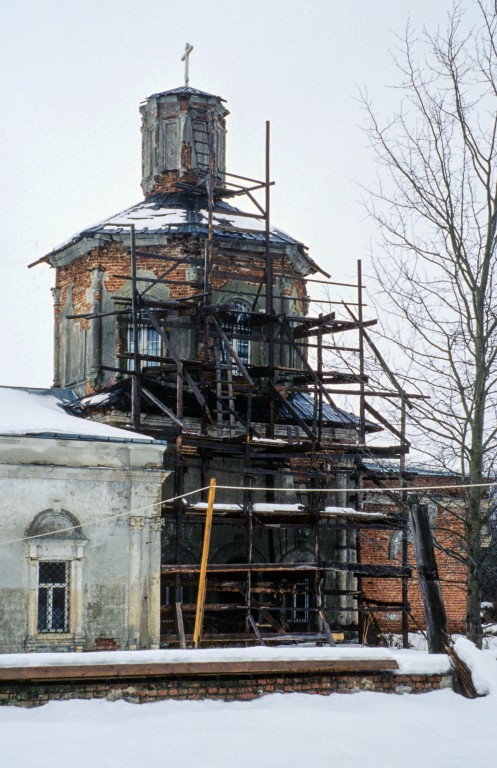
114	492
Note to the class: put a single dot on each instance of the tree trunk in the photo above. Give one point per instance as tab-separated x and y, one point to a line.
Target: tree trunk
473	609
426	564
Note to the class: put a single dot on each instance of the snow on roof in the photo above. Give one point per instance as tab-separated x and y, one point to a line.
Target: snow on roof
349	512
102	398
183	90
178	213
172	214
393	468
41	412
276	507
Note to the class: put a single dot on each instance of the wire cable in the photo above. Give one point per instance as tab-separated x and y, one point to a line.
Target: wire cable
107	518
408	489
104	519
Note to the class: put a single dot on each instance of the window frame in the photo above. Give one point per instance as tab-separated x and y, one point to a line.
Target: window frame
238	334
46	588
298	611
149	343
45	544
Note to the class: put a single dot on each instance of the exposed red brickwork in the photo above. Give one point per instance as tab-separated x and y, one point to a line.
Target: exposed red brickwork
225	688
115	260
167	181
106	644
449	534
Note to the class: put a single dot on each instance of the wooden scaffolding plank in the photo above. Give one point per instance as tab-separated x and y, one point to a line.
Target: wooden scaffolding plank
194	669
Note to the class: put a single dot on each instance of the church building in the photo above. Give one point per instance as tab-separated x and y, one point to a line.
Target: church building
189	315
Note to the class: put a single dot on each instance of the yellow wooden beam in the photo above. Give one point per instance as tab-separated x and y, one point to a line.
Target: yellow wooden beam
202	585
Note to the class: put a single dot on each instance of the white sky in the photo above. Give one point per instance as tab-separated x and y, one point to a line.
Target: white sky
73	75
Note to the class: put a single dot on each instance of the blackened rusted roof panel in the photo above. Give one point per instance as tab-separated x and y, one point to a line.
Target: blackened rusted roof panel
303	404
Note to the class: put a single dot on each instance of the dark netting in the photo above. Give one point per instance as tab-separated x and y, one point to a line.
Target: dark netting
53	597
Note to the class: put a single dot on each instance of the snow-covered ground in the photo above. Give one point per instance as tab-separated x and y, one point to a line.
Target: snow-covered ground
281	731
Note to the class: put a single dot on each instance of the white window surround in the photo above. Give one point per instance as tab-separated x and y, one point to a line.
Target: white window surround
55	547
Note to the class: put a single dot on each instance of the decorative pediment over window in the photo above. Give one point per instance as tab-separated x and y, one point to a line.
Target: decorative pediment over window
53	523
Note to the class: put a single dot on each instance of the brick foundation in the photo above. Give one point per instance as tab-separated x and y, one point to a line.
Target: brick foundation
219	687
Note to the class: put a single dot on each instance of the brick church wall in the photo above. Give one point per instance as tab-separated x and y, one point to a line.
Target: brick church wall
237	270
449	535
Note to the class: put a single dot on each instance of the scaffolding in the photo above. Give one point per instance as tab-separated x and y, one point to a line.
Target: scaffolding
273	427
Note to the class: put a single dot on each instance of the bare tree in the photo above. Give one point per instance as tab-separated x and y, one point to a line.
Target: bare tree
436	206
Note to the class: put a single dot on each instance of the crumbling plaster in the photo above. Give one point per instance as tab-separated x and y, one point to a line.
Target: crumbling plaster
114	556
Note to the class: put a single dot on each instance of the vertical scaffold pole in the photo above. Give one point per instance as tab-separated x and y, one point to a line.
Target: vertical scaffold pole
362	406
404	513
269	274
135	379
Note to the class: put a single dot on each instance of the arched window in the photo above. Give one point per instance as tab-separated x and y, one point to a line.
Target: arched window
395	546
55	544
395	543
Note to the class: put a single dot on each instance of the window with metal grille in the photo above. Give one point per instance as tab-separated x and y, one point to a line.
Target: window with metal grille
236	325
299	603
148	344
53	596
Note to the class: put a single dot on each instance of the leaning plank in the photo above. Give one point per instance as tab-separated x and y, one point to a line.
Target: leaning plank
326	627
181	627
194	669
161	406
256	629
202	587
429	581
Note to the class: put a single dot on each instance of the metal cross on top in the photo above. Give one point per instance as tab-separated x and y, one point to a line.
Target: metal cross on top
185	58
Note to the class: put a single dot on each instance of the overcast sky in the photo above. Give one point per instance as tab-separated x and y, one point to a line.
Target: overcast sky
73	75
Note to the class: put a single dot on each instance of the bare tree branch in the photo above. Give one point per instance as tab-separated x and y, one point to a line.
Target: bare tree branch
436	208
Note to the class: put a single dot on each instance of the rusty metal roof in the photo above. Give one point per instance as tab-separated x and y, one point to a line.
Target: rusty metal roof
180	213
304	406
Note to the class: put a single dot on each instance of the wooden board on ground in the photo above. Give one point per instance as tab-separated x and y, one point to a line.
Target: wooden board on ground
195	669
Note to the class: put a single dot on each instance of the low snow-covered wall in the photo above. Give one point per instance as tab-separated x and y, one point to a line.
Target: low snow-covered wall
231	675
